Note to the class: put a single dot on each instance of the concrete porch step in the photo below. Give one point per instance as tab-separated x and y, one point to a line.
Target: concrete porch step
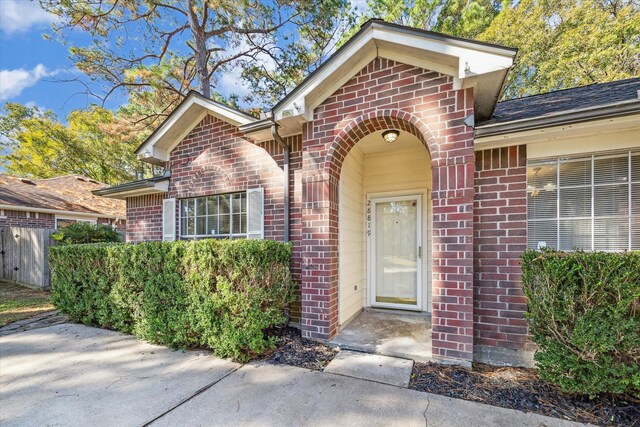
372	367
404	335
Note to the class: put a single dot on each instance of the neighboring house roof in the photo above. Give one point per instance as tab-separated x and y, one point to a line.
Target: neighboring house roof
600	100
69	194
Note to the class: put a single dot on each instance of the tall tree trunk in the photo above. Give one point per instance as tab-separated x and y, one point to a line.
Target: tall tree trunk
200	50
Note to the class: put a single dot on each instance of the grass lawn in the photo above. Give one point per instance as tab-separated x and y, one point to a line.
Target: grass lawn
18	302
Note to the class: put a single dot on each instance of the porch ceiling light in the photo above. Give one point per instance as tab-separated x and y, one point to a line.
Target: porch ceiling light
390	135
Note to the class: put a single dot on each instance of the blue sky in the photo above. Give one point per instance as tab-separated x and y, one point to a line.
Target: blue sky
35	71
32	68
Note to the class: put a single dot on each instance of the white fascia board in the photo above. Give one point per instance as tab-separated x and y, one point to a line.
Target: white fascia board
417	61
312	100
560	132
225	114
158	187
57	212
470	60
296	106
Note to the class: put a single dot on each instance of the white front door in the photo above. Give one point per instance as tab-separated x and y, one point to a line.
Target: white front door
395	252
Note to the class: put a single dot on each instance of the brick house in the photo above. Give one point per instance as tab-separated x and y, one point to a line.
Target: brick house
56	202
404	184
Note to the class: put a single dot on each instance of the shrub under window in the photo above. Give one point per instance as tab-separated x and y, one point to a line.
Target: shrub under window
219	294
584	314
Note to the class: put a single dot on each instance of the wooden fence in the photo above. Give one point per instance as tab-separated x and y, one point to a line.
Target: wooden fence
25	254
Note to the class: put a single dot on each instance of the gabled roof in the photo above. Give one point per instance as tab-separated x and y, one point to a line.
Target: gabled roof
470	63
69	194
182	119
483	66
596	101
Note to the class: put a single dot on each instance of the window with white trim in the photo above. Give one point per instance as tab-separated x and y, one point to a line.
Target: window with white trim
586	202
220	216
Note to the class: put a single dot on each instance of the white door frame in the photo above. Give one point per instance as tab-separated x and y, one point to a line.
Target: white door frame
371	253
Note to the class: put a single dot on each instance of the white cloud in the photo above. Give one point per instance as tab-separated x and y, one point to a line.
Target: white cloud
13	82
18	16
231	83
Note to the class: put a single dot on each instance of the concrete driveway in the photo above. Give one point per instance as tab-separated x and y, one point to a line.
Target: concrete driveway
76	375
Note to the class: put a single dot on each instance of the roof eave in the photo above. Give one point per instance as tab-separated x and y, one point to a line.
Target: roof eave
156	148
136	188
462	59
576	116
91	214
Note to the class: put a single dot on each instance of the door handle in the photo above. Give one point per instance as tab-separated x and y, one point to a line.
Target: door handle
419	252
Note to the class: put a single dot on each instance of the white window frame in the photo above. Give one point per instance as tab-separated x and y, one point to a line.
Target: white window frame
628	153
229	235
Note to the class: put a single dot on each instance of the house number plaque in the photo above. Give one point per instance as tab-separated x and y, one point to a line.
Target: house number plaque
368	218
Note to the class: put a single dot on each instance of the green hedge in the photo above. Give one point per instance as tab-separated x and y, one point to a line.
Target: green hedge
219	294
584	314
82	232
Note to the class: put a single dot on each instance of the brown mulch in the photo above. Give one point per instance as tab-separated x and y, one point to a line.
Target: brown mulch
522	389
294	350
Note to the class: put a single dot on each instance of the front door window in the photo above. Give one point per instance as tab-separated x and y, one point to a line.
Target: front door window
396	247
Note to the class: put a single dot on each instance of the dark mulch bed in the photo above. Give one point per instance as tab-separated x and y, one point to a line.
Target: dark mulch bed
294	350
522	389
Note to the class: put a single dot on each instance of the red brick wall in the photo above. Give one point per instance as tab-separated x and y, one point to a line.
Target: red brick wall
144	218
27	219
500	237
216	158
384	95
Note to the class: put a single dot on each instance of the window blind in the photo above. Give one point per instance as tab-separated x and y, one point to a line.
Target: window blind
589	203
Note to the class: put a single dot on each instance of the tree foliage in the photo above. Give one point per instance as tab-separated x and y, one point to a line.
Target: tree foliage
36	144
563	44
462	18
82	232
171	46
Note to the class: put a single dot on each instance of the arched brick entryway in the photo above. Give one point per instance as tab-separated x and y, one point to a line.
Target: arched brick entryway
452	243
424	104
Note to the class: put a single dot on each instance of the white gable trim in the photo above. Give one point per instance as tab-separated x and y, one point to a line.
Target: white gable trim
460	59
181	121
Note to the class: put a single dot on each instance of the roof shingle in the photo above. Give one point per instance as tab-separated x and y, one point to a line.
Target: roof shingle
71	193
567	100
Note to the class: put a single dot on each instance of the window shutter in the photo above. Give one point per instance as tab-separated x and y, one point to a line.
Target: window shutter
169	219
255	213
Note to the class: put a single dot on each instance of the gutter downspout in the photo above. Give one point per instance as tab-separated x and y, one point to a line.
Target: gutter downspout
285	147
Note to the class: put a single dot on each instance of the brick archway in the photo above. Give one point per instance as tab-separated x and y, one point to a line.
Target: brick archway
386	94
189	189
452	244
376	121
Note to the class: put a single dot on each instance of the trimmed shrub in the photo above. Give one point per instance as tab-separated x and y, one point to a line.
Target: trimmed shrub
82	232
219	294
584	314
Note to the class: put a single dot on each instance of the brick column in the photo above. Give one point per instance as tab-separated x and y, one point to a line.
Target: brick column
453	258
319	287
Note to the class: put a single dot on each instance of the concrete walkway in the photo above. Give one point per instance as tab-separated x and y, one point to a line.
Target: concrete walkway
75	375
